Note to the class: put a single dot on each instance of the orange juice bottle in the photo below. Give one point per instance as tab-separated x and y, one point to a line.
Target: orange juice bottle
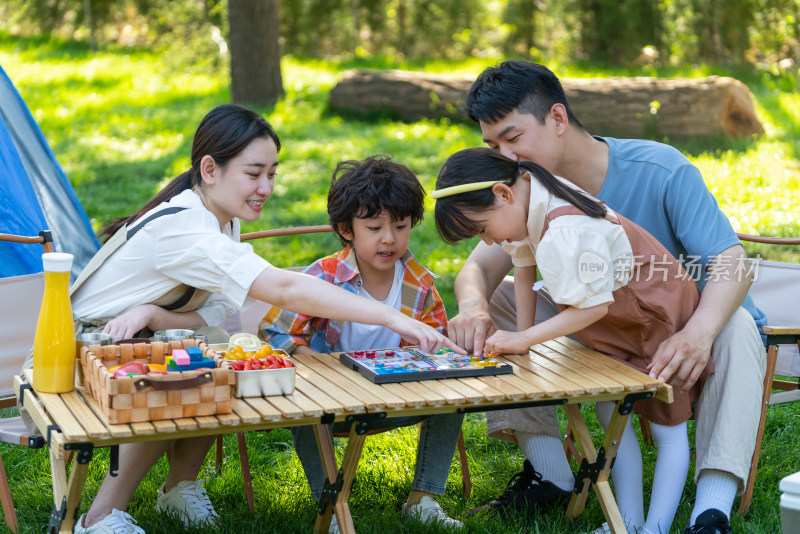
54	342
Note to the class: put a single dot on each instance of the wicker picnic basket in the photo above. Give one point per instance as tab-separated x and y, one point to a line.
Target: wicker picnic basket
134	399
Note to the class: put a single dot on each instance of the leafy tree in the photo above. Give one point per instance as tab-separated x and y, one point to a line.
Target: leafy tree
617	30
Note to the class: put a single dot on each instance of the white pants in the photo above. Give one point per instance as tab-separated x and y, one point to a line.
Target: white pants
726	414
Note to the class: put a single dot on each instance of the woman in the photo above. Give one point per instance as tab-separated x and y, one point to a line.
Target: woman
177	263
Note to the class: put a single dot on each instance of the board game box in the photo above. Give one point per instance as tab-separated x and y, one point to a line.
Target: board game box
410	363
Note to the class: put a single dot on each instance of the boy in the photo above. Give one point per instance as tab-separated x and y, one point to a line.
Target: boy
372	206
524	114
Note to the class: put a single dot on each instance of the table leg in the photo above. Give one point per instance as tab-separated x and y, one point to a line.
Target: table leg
601	487
246	476
66	492
352	454
328	455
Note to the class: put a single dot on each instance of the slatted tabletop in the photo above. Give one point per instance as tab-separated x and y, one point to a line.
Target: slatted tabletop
561	371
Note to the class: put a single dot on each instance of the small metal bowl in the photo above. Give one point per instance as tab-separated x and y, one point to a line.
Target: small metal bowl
94	338
173	334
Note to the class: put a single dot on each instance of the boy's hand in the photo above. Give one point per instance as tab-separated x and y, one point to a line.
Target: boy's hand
505	342
418	333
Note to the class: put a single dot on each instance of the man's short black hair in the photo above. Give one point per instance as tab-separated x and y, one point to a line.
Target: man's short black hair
516	84
364	189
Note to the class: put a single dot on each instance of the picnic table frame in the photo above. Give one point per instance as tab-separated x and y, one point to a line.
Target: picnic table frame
558	372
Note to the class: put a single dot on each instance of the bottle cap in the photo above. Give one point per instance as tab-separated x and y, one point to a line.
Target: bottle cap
57	262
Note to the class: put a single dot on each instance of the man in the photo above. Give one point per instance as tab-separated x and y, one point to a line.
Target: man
523	113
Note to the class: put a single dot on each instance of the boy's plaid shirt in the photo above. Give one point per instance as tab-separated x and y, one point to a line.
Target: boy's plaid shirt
287	330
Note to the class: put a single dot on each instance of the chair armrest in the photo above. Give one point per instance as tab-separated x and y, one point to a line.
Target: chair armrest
781	330
286	231
770	240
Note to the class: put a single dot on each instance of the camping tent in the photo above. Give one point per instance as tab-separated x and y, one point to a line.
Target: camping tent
35	193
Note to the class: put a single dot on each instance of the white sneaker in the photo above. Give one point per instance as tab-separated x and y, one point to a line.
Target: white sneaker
188	501
429	511
117	522
605	529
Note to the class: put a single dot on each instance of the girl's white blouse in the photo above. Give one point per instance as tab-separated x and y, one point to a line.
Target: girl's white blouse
581	259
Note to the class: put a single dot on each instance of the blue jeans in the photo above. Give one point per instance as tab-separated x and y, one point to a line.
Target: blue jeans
437	443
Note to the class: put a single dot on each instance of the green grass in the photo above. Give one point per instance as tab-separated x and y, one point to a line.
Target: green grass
121	124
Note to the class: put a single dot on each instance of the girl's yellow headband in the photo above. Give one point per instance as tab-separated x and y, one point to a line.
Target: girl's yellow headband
463	188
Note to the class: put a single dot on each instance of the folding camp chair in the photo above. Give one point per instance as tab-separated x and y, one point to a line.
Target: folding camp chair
250	320
775	289
16	338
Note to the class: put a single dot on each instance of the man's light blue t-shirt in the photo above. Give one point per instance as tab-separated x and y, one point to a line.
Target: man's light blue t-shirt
656	187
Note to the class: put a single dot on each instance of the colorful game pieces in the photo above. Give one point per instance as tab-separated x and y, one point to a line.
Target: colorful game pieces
180	357
189	360
195	354
410	363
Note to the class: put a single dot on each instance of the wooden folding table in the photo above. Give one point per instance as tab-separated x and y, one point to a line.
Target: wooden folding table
559	372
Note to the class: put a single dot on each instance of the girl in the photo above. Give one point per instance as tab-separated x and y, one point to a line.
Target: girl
177	263
618	290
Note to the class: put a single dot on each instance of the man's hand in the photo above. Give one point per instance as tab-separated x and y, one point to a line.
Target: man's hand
470	330
505	342
475	284
681	359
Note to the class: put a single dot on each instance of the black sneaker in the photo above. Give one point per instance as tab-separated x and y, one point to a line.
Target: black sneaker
525	490
711	521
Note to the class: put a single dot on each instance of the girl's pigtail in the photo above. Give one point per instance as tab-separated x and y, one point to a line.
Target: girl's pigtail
585	203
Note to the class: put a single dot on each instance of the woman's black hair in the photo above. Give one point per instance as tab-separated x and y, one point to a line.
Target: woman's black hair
483	165
223	133
364	189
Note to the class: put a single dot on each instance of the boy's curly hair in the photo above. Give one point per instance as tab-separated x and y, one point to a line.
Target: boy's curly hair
364	189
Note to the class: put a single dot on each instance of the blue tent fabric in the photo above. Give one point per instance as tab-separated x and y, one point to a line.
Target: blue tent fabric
19	212
35	194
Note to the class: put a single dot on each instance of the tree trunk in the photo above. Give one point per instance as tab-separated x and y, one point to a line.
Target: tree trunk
619	107
87	10
255	52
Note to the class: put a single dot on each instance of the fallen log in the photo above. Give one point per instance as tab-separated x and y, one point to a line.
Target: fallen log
618	107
